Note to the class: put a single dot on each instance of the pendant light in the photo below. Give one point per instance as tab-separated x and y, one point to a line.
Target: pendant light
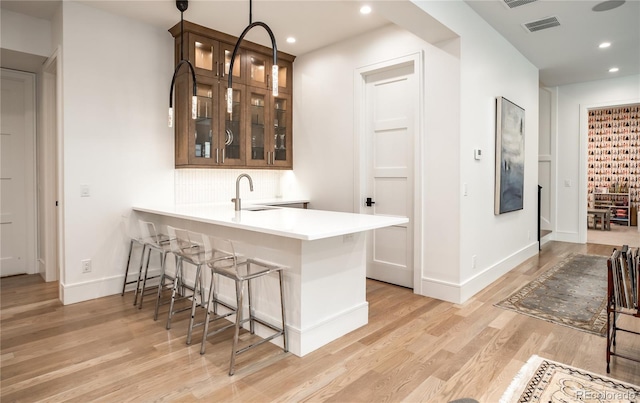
274	70
182	5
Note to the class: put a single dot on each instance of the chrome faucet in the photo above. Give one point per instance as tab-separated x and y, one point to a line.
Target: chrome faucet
237	198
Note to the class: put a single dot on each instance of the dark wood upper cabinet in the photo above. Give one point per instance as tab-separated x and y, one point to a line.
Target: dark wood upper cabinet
258	133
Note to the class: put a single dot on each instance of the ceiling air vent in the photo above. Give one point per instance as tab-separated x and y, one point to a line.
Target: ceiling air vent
539	25
517	3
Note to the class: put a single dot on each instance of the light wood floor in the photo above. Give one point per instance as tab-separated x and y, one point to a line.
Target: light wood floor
414	349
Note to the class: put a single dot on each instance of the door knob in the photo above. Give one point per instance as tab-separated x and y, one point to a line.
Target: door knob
369	202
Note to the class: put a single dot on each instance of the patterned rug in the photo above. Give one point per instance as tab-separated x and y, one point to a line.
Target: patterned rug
542	380
572	293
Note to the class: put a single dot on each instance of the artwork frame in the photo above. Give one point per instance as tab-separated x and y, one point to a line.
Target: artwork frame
509	176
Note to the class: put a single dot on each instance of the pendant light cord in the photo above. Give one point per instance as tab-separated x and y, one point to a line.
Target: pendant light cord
181	36
182	6
274	48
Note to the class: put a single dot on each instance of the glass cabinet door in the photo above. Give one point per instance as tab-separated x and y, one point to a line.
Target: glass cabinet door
203	54
204	121
257	117
231	139
257	70
238	67
282	141
285	76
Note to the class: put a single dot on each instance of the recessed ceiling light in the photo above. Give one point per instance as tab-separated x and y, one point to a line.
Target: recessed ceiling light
604	45
365	10
291	39
613	70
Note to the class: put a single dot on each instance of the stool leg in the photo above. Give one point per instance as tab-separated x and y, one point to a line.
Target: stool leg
284	328
194	302
210	298
163	278
126	269
239	292
144	280
252	326
173	292
148	250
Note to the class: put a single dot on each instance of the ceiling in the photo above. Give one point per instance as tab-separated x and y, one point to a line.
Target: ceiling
564	54
569	53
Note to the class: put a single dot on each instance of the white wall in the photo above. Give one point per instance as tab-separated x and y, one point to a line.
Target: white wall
571	145
459	115
116	79
25	34
490	67
325	137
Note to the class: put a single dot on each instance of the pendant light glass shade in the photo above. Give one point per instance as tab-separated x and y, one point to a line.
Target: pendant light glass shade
274	79
182	5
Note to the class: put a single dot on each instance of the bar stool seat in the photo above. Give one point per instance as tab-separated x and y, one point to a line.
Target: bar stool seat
242	271
153	242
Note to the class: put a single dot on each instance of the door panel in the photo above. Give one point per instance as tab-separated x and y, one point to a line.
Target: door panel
389	116
16	174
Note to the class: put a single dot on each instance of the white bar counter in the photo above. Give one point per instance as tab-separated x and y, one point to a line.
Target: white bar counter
325	255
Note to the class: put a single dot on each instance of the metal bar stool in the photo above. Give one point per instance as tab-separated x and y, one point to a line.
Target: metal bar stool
140	240
241	272
152	242
187	247
209	257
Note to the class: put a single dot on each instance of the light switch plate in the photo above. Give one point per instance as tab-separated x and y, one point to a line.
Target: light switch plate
477	154
85	191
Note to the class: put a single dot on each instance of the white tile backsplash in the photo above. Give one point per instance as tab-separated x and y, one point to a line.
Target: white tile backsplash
219	185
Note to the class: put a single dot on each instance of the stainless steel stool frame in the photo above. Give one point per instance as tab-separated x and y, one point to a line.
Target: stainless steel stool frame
151	241
161	285
239	282
126	271
179	283
163	257
195	253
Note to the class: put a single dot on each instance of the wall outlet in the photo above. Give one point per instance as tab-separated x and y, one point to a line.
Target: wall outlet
85	191
346	238
86	265
473	261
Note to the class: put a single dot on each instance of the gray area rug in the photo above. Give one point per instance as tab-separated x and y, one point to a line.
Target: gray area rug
572	293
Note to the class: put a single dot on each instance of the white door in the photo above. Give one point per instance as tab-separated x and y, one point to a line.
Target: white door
17	173
389	129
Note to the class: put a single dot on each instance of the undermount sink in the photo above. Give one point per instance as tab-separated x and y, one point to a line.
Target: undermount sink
258	208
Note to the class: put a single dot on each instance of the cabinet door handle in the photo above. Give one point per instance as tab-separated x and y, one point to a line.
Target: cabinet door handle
223	155
222	68
217	69
217	149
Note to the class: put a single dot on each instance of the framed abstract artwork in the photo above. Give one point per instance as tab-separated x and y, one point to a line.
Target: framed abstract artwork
509	186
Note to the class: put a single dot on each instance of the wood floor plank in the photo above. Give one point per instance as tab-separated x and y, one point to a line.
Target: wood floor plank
414	349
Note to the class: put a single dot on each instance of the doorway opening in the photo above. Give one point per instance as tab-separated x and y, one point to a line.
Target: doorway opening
612	137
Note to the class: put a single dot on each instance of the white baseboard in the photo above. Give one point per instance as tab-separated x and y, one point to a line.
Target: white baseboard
97	288
304	341
458	293
88	290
